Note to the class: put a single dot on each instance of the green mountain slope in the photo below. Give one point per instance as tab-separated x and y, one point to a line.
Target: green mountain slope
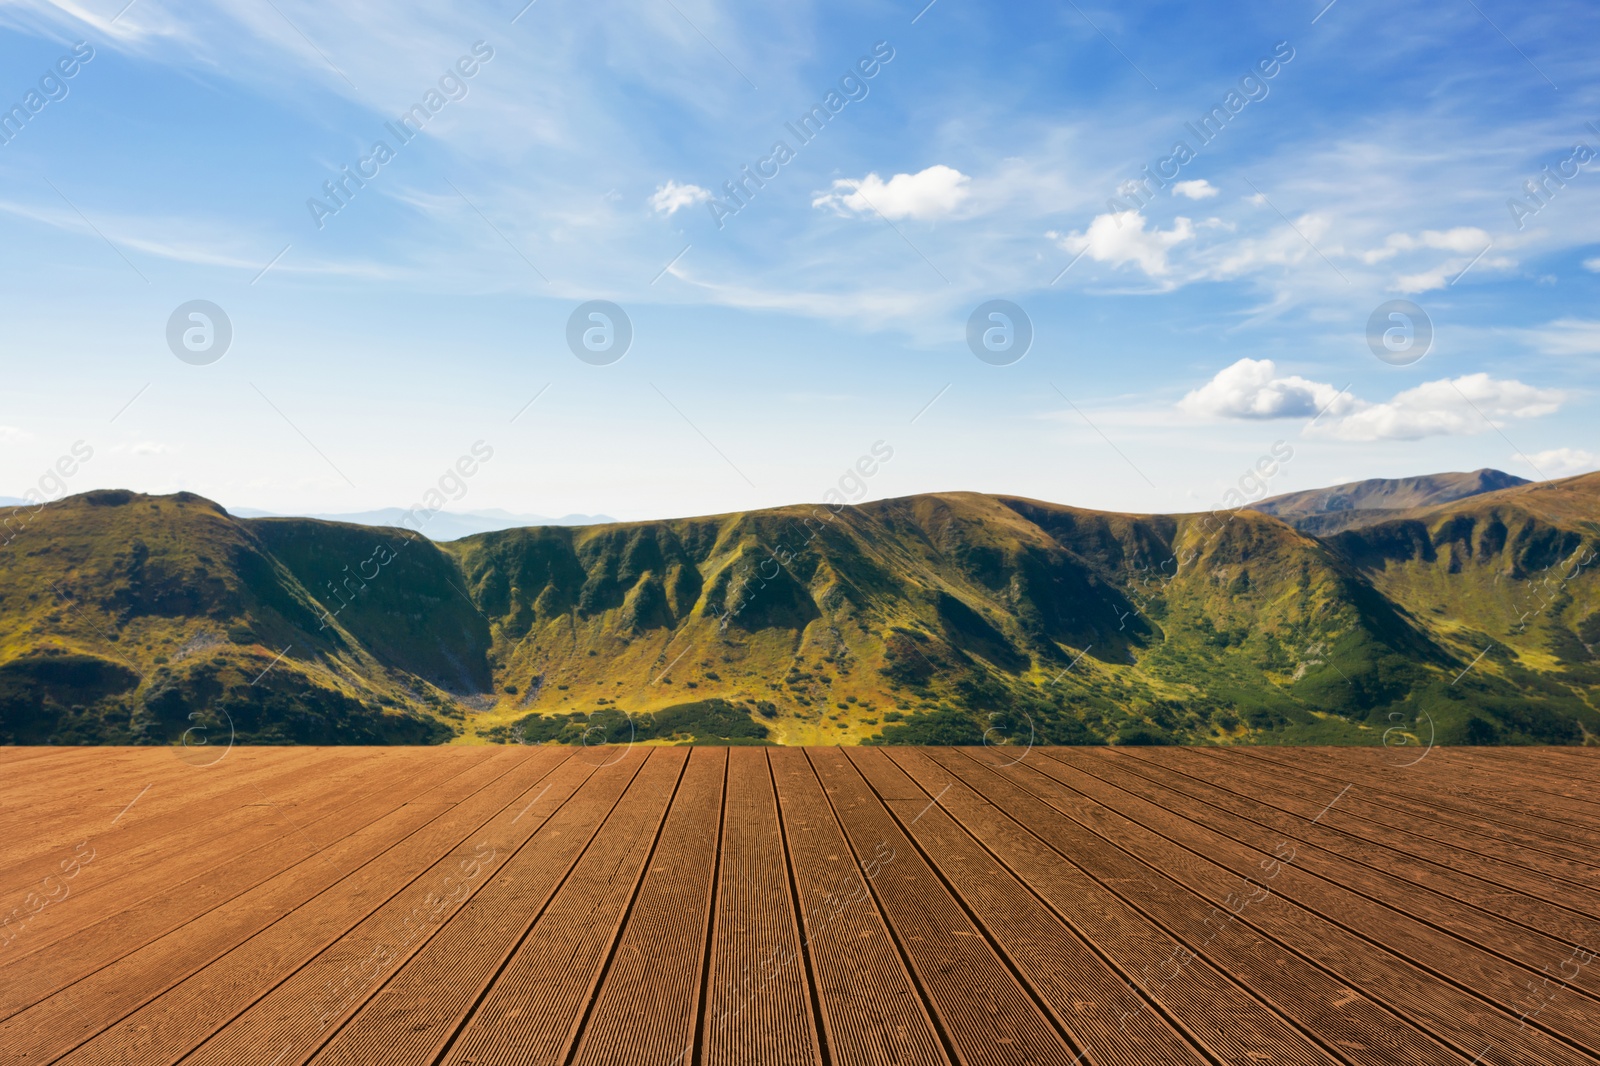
132	619
1509	576
950	618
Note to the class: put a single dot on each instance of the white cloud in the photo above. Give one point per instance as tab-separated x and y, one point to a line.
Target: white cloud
931	193
668	198
1446	408
143	447
1447	272
1251	388
1561	462
1461	239
1592	264
1198	189
1465	240
1121	238
1468	242
12	433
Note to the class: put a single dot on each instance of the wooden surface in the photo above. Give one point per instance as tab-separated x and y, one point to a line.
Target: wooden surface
709	906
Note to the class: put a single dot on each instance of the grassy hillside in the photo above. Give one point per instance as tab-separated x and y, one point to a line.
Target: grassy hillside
1510	576
964	617
944	618
133	619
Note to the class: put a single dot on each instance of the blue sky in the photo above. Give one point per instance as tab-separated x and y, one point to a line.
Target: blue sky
1194	324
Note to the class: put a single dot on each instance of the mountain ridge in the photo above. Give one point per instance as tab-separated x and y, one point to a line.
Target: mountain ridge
941	617
1357	503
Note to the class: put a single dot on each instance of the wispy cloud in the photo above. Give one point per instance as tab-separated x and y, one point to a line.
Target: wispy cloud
1564	462
1567	336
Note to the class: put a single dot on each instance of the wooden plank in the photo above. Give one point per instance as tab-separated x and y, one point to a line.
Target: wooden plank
241	973
1477	952
871	1010
1420	993
167	888
758	1003
1411	821
647	1012
1219	1013
534	1010
1073	981
985	1014
1348	1023
1434	866
415	1014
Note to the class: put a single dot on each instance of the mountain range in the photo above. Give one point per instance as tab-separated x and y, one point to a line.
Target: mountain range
1458	608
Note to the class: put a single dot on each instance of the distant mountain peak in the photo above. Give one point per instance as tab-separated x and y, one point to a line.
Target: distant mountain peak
1358	503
